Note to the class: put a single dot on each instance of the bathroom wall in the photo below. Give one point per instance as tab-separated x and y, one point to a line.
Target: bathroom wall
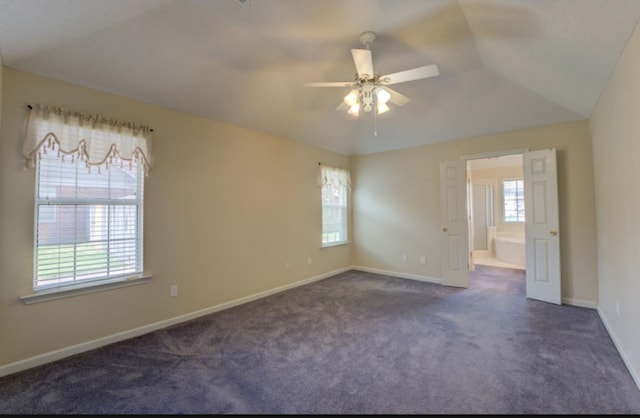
494	176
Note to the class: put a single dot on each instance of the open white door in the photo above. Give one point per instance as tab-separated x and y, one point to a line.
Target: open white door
470	234
455	235
541	226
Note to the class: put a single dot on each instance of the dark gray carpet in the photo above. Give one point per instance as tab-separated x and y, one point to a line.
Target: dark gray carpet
355	343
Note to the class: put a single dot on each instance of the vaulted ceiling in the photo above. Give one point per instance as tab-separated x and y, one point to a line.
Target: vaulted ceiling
503	64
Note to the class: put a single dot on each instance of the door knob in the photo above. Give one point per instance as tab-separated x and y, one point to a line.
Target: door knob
553	232
444	229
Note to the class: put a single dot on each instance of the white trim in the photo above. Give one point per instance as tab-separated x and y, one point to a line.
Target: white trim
580	303
110	339
398	274
493	154
100	342
107	219
83	288
335	244
625	359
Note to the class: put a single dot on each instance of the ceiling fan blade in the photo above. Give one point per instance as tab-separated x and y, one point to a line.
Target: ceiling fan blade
363	61
397	98
408	75
330	84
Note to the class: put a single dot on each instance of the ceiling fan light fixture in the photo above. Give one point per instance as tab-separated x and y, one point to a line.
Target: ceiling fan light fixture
383	96
351	98
369	90
382	108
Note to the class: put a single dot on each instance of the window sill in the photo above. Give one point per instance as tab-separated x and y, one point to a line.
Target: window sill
81	289
335	244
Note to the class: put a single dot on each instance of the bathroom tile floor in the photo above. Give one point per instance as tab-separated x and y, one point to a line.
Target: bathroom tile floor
490	261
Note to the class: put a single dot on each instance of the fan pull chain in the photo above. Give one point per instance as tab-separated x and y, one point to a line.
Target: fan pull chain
375	121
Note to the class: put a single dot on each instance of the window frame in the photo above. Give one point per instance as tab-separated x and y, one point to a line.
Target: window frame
520	214
74	285
344	196
100	143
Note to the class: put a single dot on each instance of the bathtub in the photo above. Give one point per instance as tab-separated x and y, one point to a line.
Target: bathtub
510	249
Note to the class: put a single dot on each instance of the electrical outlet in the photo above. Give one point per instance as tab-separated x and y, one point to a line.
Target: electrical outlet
404	258
618	309
287	265
423	259
174	290
308	260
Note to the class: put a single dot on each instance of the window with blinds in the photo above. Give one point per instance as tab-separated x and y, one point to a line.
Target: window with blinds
335	187
88	221
513	200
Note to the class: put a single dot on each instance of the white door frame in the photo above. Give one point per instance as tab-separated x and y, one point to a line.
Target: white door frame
553	295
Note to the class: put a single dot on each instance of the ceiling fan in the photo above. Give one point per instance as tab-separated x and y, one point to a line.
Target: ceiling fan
369	89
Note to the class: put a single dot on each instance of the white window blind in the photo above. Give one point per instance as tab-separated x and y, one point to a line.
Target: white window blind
89	197
513	199
90	226
336	184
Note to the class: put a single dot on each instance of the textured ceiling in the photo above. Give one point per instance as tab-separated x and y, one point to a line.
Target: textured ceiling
504	64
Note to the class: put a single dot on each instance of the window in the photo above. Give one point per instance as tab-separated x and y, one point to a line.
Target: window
48	214
91	228
513	200
89	197
335	183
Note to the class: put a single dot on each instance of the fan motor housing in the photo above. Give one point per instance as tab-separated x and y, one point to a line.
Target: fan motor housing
367	38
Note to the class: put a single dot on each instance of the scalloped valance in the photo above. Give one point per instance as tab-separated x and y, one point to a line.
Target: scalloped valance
96	140
334	177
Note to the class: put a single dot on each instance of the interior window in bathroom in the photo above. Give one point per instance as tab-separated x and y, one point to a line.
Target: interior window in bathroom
513	200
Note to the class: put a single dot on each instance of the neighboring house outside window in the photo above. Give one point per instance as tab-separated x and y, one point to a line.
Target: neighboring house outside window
335	184
513	200
89	197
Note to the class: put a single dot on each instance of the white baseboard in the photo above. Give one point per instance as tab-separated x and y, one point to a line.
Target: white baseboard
121	336
634	373
580	303
100	342
398	274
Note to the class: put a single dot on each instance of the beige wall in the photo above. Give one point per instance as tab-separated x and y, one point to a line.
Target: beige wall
397	207
1	70
615	127
494	177
225	209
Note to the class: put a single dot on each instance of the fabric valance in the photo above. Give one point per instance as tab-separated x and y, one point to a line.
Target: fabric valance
334	177
96	140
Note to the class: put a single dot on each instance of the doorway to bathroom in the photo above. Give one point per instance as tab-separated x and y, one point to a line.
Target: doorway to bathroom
496	208
542	237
